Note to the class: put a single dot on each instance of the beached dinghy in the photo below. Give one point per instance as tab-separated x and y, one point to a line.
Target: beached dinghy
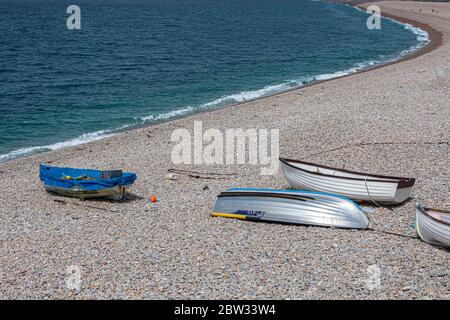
433	225
84	183
351	184
290	206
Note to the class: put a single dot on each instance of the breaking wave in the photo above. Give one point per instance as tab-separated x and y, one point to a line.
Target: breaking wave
86	137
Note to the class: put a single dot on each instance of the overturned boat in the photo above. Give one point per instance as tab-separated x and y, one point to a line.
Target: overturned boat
433	225
85	183
351	184
290	206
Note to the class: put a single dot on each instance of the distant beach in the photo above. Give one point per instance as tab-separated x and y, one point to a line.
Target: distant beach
390	120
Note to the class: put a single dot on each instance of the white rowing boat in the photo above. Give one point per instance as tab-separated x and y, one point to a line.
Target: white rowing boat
351	184
290	206
433	225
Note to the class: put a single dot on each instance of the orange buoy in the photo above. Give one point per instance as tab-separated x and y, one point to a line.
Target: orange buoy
152	199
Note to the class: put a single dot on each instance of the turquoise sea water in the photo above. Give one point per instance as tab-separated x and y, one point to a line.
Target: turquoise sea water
136	62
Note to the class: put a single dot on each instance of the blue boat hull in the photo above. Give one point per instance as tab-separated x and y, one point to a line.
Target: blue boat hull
83	183
116	193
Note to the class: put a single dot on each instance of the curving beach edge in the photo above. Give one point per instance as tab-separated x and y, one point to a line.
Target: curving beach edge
391	120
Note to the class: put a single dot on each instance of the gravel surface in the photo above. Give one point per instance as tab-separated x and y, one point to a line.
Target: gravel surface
174	249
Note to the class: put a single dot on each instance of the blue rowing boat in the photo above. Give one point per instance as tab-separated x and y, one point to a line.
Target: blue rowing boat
85	183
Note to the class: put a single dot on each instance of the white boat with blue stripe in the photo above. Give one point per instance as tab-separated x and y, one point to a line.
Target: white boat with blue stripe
290	206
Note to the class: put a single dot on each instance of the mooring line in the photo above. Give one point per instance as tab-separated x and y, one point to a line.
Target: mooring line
393	233
362	144
204	175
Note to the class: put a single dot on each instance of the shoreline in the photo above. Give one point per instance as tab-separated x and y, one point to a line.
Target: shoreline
434	41
390	121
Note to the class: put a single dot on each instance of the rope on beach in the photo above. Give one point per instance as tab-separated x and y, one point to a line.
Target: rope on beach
368	193
393	233
204	175
388	232
363	144
84	205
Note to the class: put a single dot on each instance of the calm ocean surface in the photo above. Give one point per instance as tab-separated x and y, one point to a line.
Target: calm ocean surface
135	62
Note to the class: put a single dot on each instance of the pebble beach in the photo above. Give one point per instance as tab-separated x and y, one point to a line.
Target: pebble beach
390	120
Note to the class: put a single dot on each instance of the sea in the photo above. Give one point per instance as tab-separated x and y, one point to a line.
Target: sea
135	62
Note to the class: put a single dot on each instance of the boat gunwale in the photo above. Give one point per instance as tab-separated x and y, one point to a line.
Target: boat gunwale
85	181
424	210
402	182
303	224
264	194
270	192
